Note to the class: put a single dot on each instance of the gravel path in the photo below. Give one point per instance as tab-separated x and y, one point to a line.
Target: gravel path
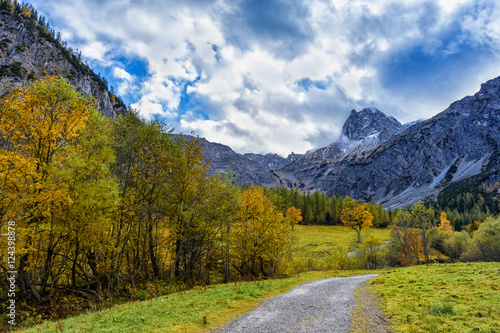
313	307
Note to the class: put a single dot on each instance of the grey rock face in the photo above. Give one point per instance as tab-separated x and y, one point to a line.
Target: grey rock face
248	172
26	53
382	160
272	161
369	121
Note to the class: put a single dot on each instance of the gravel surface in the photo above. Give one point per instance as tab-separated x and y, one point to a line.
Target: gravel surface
313	307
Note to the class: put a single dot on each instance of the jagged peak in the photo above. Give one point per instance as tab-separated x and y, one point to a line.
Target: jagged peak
366	122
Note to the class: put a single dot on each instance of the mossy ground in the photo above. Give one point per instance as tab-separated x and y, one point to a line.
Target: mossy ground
461	297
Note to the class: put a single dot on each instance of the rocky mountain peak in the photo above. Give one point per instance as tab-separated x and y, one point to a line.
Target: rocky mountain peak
488	89
369	121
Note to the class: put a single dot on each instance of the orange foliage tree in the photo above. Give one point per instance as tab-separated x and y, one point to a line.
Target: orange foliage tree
357	216
445	226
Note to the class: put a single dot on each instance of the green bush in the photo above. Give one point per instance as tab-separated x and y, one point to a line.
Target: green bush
486	242
457	245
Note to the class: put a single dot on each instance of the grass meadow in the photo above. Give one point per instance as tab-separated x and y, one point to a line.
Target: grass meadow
318	247
461	297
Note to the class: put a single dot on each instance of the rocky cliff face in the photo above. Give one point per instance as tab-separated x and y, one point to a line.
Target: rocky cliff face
379	159
362	132
272	161
28	49
246	170
369	122
458	143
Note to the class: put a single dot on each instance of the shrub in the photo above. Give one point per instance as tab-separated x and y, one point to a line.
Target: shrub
438	239
457	245
486	242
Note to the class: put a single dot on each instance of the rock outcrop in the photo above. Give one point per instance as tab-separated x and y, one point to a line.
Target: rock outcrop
29	50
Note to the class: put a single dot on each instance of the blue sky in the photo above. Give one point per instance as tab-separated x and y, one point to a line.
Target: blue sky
280	76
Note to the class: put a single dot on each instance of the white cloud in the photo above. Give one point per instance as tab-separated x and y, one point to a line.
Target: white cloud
94	50
126	80
244	75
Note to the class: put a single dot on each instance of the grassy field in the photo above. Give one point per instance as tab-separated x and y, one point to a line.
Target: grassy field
462	297
201	310
317	247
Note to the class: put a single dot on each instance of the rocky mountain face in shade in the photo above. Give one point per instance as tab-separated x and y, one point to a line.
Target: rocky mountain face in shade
379	159
248	172
369	122
272	161
29	50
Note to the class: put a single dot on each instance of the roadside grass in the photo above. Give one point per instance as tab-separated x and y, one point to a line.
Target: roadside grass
198	310
319	247
461	297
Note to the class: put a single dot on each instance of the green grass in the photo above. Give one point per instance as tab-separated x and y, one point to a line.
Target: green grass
323	240
318	247
185	311
463	297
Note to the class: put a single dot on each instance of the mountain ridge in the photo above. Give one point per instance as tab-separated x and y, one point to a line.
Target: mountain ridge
404	163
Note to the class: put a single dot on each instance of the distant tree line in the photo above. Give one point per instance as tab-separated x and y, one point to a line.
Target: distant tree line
318	208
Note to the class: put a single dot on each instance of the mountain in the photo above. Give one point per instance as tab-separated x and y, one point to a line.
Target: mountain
369	122
458	143
377	158
362	132
272	161
30	49
248	172
417	163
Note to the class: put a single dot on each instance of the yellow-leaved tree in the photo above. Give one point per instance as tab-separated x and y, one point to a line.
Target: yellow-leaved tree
41	126
445	226
356	215
259	237
293	216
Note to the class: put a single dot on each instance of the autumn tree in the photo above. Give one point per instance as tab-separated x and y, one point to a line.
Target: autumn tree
473	227
356	216
200	208
445	226
293	216
424	220
39	125
407	239
258	236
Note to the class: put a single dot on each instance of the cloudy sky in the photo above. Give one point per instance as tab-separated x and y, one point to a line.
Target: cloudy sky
282	75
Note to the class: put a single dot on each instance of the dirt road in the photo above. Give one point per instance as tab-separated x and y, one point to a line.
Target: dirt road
313	307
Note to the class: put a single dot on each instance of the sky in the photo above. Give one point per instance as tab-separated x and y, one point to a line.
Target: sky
276	76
